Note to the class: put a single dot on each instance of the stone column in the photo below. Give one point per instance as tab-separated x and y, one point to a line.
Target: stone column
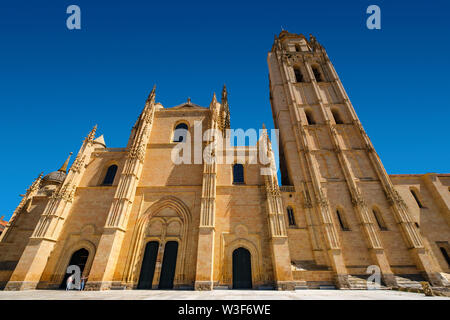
35	256
281	259
159	262
439	193
105	261
206	233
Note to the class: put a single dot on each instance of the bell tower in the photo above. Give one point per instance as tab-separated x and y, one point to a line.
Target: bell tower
329	159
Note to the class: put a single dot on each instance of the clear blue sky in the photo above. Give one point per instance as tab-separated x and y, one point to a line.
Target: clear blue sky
55	84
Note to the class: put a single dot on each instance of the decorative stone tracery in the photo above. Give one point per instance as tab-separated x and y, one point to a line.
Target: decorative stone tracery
169	219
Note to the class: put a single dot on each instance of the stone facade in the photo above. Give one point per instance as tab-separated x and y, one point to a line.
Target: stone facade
3	224
336	213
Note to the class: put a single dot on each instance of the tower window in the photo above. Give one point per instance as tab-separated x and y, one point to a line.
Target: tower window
445	254
238	173
298	48
341	219
379	219
110	175
298	74
290	214
309	116
337	116
180	133
317	74
416	197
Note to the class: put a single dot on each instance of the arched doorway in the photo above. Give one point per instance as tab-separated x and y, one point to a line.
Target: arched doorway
242	269
79	258
168	265
148	265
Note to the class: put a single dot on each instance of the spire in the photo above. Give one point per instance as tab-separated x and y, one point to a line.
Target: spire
91	134
151	96
66	164
313	42
225	106
213	101
224	95
265	138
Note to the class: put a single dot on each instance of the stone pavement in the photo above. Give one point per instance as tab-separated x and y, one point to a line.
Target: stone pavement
215	295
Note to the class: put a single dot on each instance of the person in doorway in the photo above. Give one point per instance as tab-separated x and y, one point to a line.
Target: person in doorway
83	282
69	283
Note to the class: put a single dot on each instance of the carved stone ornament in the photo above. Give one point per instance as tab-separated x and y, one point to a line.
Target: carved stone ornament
358	200
321	199
137	152
90	137
393	197
148	117
306	200
66	193
272	190
398	199
287	60
78	163
333	130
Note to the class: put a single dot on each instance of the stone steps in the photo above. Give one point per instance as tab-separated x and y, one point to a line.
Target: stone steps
446	279
301	285
359	282
409	281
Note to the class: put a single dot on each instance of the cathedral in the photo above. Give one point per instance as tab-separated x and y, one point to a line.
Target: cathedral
131	218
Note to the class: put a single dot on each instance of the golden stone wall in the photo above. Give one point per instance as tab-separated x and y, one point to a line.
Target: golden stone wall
329	165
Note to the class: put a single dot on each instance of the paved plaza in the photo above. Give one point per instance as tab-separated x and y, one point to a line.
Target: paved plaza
215	295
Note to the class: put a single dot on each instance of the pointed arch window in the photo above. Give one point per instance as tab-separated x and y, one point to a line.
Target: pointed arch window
309	116
341	219
110	175
379	219
415	194
445	254
290	215
337	116
180	132
298	74
298	48
238	173
317	74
